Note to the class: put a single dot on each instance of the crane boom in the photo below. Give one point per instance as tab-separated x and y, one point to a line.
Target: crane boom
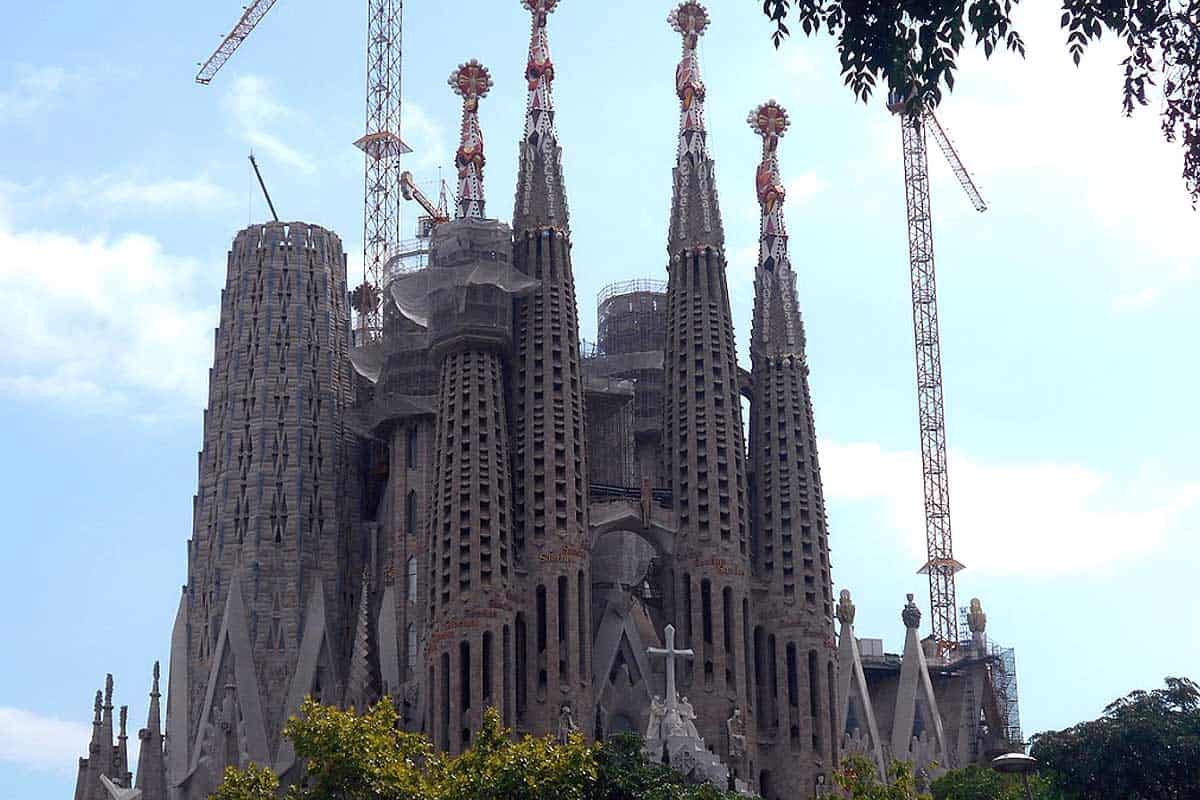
263	185
941	565
410	192
960	172
250	18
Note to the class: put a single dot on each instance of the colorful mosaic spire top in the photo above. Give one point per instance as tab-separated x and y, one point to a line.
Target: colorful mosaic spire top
539	111
690	20
471	81
770	121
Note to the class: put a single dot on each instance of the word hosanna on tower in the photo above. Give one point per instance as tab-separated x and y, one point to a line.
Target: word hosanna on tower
471	510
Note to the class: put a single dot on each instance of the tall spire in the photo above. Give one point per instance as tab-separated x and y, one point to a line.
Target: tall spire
471	81
777	326
541	198
790	545
702	421
152	767
551	516
358	684
694	183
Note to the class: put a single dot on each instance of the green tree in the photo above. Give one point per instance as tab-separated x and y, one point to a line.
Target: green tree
859	779
624	773
251	783
1145	746
912	48
366	757
983	783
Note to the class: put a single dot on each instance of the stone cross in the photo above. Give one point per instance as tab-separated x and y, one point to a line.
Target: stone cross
670	653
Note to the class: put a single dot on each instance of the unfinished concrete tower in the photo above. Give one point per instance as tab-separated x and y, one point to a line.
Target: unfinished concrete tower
264	616
469	650
554	627
793	640
703	417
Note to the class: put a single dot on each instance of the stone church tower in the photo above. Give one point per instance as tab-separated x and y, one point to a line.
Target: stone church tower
478	512
264	616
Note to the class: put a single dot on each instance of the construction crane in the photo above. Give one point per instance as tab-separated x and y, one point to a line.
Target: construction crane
263	185
250	18
941	565
434	214
382	148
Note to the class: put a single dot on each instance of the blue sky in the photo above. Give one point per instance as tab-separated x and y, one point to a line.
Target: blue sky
1069	317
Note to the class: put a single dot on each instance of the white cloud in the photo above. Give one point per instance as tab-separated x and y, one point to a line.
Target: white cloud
256	113
35	92
103	323
1032	518
37	742
804	188
1020	121
427	138
123	194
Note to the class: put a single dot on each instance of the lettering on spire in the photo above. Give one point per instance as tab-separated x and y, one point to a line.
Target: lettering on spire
693	165
776	311
471	81
544	205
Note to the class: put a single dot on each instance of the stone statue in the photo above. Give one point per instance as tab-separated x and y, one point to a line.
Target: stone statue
845	608
976	619
658	710
687	716
735	726
911	615
566	724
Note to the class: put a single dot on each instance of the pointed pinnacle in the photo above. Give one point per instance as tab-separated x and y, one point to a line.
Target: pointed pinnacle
108	691
124	718
97	707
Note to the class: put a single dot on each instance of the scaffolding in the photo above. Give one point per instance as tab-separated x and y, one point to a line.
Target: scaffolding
1002	680
632	317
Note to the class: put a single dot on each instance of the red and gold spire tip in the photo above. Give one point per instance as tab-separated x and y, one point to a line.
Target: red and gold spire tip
770	120
690	19
470	81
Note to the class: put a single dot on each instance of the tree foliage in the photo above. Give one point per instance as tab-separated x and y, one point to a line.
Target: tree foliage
353	757
912	46
1145	746
983	783
859	779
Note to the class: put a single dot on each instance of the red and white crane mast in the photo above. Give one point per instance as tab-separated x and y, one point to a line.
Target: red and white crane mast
940	566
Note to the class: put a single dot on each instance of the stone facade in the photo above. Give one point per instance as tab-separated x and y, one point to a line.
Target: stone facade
476	511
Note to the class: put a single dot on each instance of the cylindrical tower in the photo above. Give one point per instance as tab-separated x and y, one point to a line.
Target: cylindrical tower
632	328
549	446
270	521
794	650
469	653
703	418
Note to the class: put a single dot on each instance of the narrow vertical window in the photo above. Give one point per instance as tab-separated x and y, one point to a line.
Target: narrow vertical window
814	698
687	609
706	610
522	660
410	451
411	645
464	687
445	701
410	512
506	678
564	650
583	627
793	676
411	570
488	699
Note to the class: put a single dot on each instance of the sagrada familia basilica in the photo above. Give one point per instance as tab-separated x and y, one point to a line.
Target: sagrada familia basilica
476	511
